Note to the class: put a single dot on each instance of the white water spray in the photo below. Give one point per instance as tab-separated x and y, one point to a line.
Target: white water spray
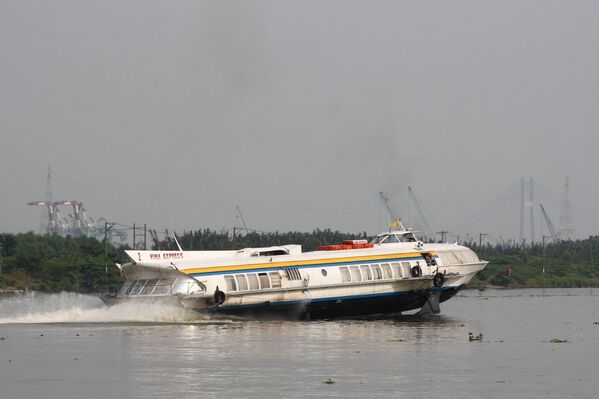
68	307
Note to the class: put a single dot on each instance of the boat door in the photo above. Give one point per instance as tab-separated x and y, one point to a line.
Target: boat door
428	265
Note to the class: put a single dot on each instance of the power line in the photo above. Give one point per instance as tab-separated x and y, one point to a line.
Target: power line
443	233
487	209
275	205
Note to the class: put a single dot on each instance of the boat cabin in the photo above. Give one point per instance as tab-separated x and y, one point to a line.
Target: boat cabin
269	251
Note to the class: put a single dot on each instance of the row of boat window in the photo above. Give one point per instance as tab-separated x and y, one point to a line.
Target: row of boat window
159	286
377	271
458	257
253	281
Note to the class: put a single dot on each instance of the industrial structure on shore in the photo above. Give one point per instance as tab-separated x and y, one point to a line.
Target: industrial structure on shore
521	194
75	220
77	223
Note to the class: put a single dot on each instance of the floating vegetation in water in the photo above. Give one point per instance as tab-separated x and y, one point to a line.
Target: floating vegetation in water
330	381
473	337
231	326
558	341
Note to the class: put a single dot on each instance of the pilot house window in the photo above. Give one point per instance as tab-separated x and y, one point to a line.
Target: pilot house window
148	287
128	287
163	287
138	287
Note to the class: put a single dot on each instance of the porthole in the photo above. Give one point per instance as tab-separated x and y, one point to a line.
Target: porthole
324	272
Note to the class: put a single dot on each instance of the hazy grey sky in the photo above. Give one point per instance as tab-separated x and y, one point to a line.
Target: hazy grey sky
171	113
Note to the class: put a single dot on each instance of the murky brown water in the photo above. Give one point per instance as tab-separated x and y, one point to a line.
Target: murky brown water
70	346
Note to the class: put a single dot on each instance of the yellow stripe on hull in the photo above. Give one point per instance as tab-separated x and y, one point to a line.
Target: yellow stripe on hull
306	262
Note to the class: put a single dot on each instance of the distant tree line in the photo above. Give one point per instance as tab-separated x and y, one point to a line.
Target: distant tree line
56	263
571	263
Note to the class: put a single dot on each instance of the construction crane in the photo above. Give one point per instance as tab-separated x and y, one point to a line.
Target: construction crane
79	223
245	226
56	222
76	213
394	221
82	222
426	227
554	236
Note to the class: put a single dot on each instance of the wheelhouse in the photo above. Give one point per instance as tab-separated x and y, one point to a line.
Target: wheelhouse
395	237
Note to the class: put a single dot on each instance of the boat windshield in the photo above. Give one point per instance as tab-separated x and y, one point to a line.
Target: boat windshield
394	238
165	286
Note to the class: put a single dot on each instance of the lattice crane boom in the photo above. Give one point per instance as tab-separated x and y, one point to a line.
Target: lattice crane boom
394	221
549	224
425	223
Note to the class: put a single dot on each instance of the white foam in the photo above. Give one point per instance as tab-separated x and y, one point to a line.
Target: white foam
68	307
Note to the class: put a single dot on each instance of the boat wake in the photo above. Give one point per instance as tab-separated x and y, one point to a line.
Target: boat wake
69	307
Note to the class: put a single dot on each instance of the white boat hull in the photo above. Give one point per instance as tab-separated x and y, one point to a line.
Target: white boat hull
377	280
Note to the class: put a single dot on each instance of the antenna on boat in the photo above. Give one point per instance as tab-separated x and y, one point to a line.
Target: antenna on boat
176	241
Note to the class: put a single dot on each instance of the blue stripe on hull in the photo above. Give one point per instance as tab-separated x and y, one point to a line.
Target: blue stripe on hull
389	302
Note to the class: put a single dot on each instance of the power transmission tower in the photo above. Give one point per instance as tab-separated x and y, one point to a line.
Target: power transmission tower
566	220
45	220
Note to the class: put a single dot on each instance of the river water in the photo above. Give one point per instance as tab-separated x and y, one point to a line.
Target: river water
71	346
